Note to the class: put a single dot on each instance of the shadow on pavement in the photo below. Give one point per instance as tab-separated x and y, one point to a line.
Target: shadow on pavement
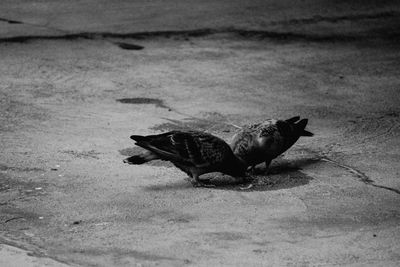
282	175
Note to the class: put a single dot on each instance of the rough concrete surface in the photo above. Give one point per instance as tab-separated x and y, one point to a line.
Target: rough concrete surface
77	78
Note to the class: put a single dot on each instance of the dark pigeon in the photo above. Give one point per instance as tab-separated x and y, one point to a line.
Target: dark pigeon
193	152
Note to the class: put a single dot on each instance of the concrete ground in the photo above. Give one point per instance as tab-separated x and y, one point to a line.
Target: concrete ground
77	78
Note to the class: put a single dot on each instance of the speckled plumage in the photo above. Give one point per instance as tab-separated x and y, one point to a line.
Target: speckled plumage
193	152
262	142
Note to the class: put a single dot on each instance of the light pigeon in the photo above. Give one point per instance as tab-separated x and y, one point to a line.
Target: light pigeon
262	142
193	152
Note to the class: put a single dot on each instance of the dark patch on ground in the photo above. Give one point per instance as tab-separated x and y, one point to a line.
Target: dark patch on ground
11	21
82	154
4	167
143	100
128	46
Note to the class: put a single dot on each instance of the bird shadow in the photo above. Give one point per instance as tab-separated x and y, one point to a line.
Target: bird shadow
282	174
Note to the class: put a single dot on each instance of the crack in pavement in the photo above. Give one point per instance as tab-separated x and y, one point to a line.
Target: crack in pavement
264	34
286	36
12	219
362	176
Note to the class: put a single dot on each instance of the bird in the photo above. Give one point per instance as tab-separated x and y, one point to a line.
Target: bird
262	142
193	152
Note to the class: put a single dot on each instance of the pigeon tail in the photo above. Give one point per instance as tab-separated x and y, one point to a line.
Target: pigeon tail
293	120
300	128
139	138
306	133
141	158
142	141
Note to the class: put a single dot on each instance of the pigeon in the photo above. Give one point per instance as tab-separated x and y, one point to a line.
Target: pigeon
262	142
193	152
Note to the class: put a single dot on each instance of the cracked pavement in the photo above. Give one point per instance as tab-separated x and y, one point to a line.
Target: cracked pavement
77	78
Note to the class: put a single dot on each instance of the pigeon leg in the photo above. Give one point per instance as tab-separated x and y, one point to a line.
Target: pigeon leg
267	163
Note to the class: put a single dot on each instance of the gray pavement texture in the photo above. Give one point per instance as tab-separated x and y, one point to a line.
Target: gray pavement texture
77	78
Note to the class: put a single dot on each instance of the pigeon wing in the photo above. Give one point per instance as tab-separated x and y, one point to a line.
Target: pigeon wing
206	150
193	148
242	142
